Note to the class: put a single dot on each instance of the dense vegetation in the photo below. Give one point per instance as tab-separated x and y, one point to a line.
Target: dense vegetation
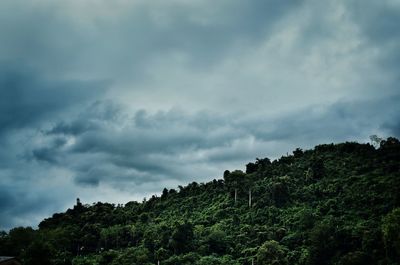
335	204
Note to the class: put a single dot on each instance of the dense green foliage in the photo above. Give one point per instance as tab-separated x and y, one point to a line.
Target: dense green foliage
335	204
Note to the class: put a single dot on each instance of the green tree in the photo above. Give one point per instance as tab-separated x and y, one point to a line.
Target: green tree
272	253
182	238
391	234
38	253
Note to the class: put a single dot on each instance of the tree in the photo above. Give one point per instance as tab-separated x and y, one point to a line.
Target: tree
271	253
216	241
317	168
375	140
391	234
164	193
251	168
298	152
354	258
18	239
260	164
38	253
390	143
323	241
182	238
162	254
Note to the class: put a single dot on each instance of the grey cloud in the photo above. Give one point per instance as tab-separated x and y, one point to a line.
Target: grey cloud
44	154
27	97
6	198
164	145
122	97
392	127
164	132
20	207
93	117
378	22
50	39
344	120
49	153
230	22
91	178
75	128
117	176
29	102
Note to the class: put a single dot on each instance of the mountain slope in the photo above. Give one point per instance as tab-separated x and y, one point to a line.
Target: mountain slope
335	204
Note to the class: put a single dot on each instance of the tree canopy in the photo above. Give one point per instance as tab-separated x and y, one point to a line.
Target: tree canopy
334	204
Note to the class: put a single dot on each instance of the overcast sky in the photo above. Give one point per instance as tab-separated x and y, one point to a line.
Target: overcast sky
115	100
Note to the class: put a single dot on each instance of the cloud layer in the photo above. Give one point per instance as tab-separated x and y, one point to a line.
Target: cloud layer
113	101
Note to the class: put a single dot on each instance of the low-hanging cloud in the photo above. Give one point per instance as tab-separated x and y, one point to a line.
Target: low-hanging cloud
113	101
148	147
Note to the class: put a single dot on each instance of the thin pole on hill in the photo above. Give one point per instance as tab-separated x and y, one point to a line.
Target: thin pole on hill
250	198
235	196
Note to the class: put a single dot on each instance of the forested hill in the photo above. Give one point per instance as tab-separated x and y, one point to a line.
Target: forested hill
335	204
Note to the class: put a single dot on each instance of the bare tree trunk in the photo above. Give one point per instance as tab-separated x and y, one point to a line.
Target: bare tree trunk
235	196
249	197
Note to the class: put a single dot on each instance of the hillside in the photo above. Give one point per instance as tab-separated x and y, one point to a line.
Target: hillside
335	204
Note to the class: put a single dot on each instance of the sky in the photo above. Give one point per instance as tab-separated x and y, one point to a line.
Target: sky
114	100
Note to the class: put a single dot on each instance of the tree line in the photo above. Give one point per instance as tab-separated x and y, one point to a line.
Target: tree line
334	204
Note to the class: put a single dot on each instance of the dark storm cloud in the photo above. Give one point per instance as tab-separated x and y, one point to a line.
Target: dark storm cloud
75	128
49	153
27	97
379	22
337	122
207	39
62	38
17	206
150	148
192	88
44	154
28	103
139	147
393	127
